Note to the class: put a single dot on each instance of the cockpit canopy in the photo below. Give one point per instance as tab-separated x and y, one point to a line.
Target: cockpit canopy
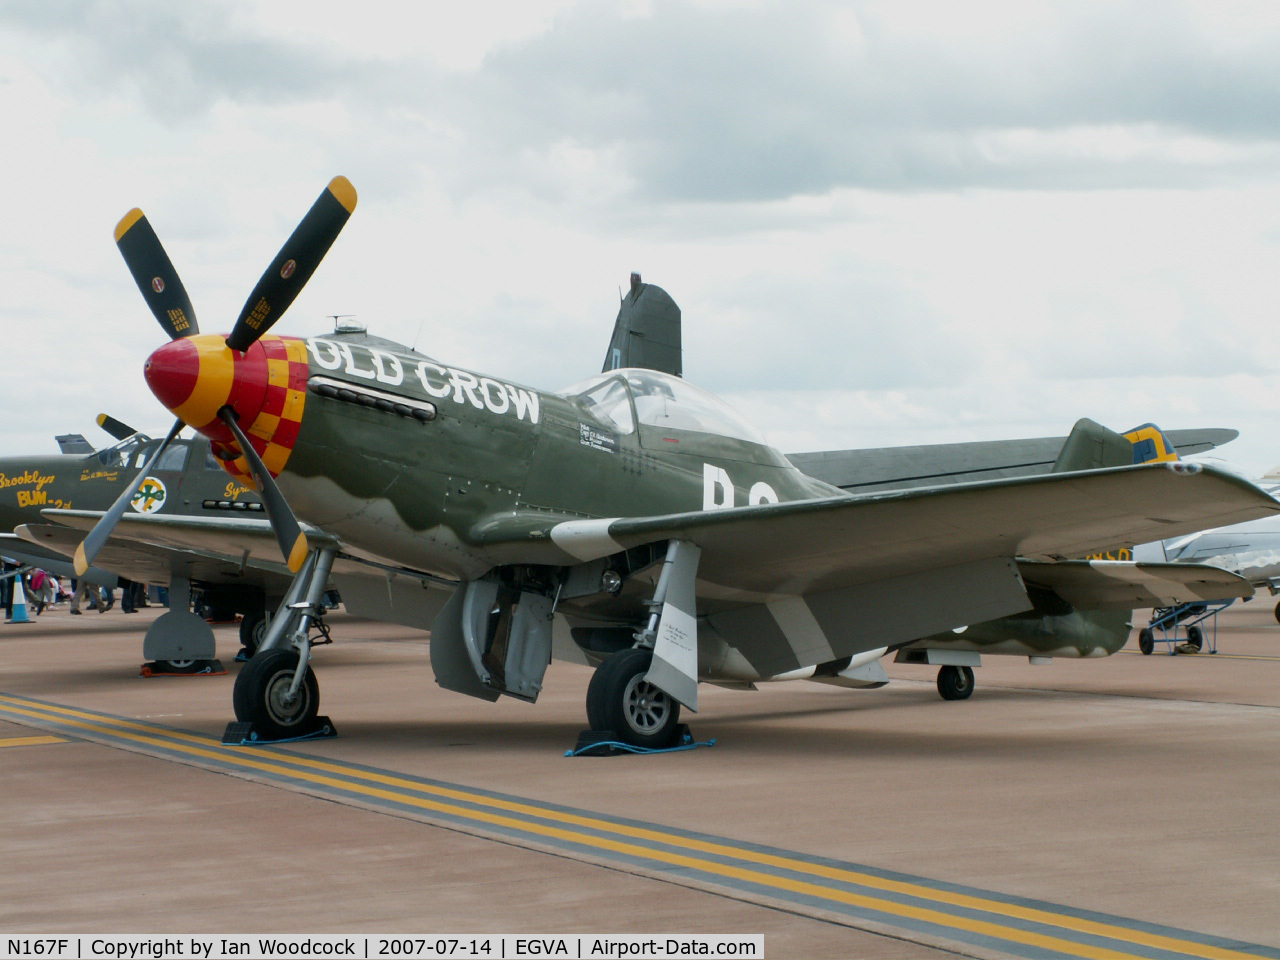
661	401
132	452
128	452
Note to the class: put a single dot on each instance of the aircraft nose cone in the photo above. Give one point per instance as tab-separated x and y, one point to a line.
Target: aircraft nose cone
172	371
195	377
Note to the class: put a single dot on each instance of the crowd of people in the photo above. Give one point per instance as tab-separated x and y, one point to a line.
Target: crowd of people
42	589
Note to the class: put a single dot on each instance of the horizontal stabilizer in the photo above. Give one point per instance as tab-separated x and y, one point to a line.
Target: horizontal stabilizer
1117	585
898	468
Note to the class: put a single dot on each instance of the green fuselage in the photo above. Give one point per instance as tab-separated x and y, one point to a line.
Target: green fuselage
190	482
422	494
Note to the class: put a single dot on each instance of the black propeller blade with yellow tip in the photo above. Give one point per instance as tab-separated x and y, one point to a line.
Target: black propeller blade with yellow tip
101	531
295	263
293	542
155	276
117	428
276	290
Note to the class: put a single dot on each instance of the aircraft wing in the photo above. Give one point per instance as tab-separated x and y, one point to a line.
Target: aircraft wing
126	558
153	562
219	550
806	582
14	548
801	547
893	468
151	548
1117	585
228	535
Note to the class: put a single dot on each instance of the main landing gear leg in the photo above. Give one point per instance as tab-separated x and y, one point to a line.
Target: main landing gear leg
635	695
276	695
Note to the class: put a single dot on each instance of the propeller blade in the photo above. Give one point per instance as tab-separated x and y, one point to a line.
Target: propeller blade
154	274
293	542
101	531
118	429
294	264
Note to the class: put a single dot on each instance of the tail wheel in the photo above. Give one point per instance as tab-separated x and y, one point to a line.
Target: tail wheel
1146	641
620	699
955	683
261	695
1195	637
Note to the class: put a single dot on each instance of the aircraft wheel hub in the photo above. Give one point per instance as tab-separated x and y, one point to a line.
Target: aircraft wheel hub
284	707
646	708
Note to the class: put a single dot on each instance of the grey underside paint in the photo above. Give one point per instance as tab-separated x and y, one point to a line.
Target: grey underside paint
392	598
850	620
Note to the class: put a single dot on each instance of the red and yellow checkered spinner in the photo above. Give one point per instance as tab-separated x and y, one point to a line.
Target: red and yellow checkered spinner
266	385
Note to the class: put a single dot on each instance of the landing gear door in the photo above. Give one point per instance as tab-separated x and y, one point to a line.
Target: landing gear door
451	654
491	640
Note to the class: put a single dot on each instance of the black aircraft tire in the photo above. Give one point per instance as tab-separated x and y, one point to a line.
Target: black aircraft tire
955	683
619	699
1195	637
252	629
1146	641
595	701
258	696
1278	612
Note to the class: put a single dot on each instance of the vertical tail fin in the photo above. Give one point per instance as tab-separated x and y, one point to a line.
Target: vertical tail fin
647	331
1150	445
1091	446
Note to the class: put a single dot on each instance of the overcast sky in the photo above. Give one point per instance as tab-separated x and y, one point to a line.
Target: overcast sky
886	223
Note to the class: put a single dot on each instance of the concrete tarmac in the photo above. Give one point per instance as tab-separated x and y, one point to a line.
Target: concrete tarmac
1140	787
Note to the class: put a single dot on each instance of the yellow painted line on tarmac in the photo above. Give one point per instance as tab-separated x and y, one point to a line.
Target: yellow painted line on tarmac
371	784
29	741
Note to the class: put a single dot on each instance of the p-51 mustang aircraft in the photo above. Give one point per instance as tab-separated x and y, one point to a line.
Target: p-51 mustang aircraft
633	520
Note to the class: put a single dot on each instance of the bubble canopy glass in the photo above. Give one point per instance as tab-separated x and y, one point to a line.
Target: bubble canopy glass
661	401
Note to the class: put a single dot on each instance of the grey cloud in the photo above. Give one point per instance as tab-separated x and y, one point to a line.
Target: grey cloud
180	59
723	104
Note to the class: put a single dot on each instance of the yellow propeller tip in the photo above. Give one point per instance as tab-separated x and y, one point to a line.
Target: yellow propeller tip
298	554
344	192
81	561
126	222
